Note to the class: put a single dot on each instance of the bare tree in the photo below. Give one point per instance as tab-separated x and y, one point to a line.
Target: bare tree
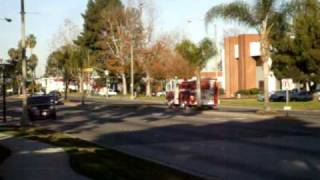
120	38
149	12
67	33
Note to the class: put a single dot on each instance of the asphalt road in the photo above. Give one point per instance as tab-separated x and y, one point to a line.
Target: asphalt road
222	145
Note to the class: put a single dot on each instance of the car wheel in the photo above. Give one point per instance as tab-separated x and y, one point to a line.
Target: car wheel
187	109
54	117
31	117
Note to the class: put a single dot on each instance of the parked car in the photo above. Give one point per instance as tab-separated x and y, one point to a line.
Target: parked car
161	93
57	97
301	96
278	96
316	94
41	107
111	92
260	97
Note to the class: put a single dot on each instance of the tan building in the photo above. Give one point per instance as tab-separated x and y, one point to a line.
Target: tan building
243	67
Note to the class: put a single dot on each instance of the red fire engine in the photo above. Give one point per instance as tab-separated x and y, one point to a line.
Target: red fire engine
183	93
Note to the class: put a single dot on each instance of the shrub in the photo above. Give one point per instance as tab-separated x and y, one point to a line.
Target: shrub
253	91
221	91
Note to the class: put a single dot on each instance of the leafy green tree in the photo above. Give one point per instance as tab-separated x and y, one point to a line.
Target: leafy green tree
296	47
16	74
63	62
88	41
257	15
197	56
93	22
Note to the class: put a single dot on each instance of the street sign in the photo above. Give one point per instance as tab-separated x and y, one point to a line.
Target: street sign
287	84
287	108
88	70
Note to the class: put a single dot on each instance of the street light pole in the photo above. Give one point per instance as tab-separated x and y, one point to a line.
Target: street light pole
24	118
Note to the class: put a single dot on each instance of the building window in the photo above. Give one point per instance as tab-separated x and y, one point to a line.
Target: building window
236	51
261	85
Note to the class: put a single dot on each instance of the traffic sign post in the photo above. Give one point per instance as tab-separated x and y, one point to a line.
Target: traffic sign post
287	85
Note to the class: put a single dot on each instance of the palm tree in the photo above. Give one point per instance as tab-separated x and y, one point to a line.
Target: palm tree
33	62
15	57
31	42
13	54
197	57
257	16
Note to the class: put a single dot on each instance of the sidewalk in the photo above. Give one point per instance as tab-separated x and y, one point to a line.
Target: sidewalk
31	160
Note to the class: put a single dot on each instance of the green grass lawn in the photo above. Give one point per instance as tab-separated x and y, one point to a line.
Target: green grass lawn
97	162
253	103
244	102
121	97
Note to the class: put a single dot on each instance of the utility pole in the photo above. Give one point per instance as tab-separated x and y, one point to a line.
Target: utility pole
24	119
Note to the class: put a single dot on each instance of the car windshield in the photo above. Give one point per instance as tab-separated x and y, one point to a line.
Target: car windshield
39	100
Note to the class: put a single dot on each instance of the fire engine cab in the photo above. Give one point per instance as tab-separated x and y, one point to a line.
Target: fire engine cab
183	93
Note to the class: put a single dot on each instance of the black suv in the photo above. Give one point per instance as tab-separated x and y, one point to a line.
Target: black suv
41	107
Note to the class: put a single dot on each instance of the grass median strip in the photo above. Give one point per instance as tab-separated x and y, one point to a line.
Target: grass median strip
97	162
253	103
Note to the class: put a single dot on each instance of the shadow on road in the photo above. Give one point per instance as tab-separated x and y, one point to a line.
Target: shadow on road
275	148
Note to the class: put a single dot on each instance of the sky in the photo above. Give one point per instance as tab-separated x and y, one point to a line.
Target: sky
45	17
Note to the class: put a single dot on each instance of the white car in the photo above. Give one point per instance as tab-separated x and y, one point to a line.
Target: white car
161	93
317	95
111	92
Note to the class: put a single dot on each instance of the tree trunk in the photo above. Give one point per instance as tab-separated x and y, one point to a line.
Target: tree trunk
131	72
148	85
124	84
19	87
266	71
265	55
66	87
81	79
33	81
198	84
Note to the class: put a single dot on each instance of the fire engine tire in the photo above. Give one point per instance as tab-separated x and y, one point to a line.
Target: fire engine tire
187	108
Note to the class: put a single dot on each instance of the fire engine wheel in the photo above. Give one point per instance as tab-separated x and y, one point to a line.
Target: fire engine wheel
187	108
